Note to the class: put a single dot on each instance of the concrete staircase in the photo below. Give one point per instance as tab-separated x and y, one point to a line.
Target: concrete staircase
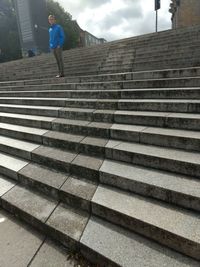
107	161
168	49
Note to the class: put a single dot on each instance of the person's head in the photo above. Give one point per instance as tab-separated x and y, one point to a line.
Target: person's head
52	19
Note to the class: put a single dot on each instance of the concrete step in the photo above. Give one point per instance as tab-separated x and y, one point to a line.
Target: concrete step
34	248
81	165
162	83
189	62
44	122
176	189
168	54
92	146
105	94
31	110
169	159
133	220
110	240
183	191
167	225
171	93
157	119
55	182
158	105
188	140
152	74
130	218
66	225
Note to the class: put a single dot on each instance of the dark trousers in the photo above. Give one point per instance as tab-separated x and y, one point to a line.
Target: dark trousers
59	59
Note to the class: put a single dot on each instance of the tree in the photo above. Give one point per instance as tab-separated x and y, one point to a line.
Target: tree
65	19
9	38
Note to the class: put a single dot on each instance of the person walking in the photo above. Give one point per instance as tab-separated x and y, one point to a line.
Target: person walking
56	41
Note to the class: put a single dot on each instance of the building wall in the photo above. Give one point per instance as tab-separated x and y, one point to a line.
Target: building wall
32	25
185	13
90	39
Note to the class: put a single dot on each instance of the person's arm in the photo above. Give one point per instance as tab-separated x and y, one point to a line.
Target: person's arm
62	37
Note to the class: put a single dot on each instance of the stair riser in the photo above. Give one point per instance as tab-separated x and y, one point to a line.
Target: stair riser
170	141
64	94
36	102
167	122
92	104
83	130
96	258
160	107
162	83
9	173
164	94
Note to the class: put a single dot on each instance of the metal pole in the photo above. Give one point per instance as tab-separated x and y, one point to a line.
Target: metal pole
156	20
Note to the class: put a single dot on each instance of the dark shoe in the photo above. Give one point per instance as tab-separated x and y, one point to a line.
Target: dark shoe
60	75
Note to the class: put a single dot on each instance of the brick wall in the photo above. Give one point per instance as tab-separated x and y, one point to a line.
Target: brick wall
187	14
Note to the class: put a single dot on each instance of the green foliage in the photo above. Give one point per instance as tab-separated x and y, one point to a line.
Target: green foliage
65	20
9	39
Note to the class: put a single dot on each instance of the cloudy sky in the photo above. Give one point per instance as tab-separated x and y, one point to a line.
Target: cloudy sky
116	19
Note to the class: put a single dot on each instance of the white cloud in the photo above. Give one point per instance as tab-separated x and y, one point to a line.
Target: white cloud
116	19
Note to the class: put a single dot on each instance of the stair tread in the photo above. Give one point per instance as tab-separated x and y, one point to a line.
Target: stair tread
12	162
16	143
44	175
168	153
30	107
5	184
129	249
24	129
31	202
174	220
27	117
164	180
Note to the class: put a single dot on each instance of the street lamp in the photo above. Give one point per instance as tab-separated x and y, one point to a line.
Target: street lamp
157	6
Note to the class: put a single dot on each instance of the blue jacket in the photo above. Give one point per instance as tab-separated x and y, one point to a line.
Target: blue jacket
56	36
